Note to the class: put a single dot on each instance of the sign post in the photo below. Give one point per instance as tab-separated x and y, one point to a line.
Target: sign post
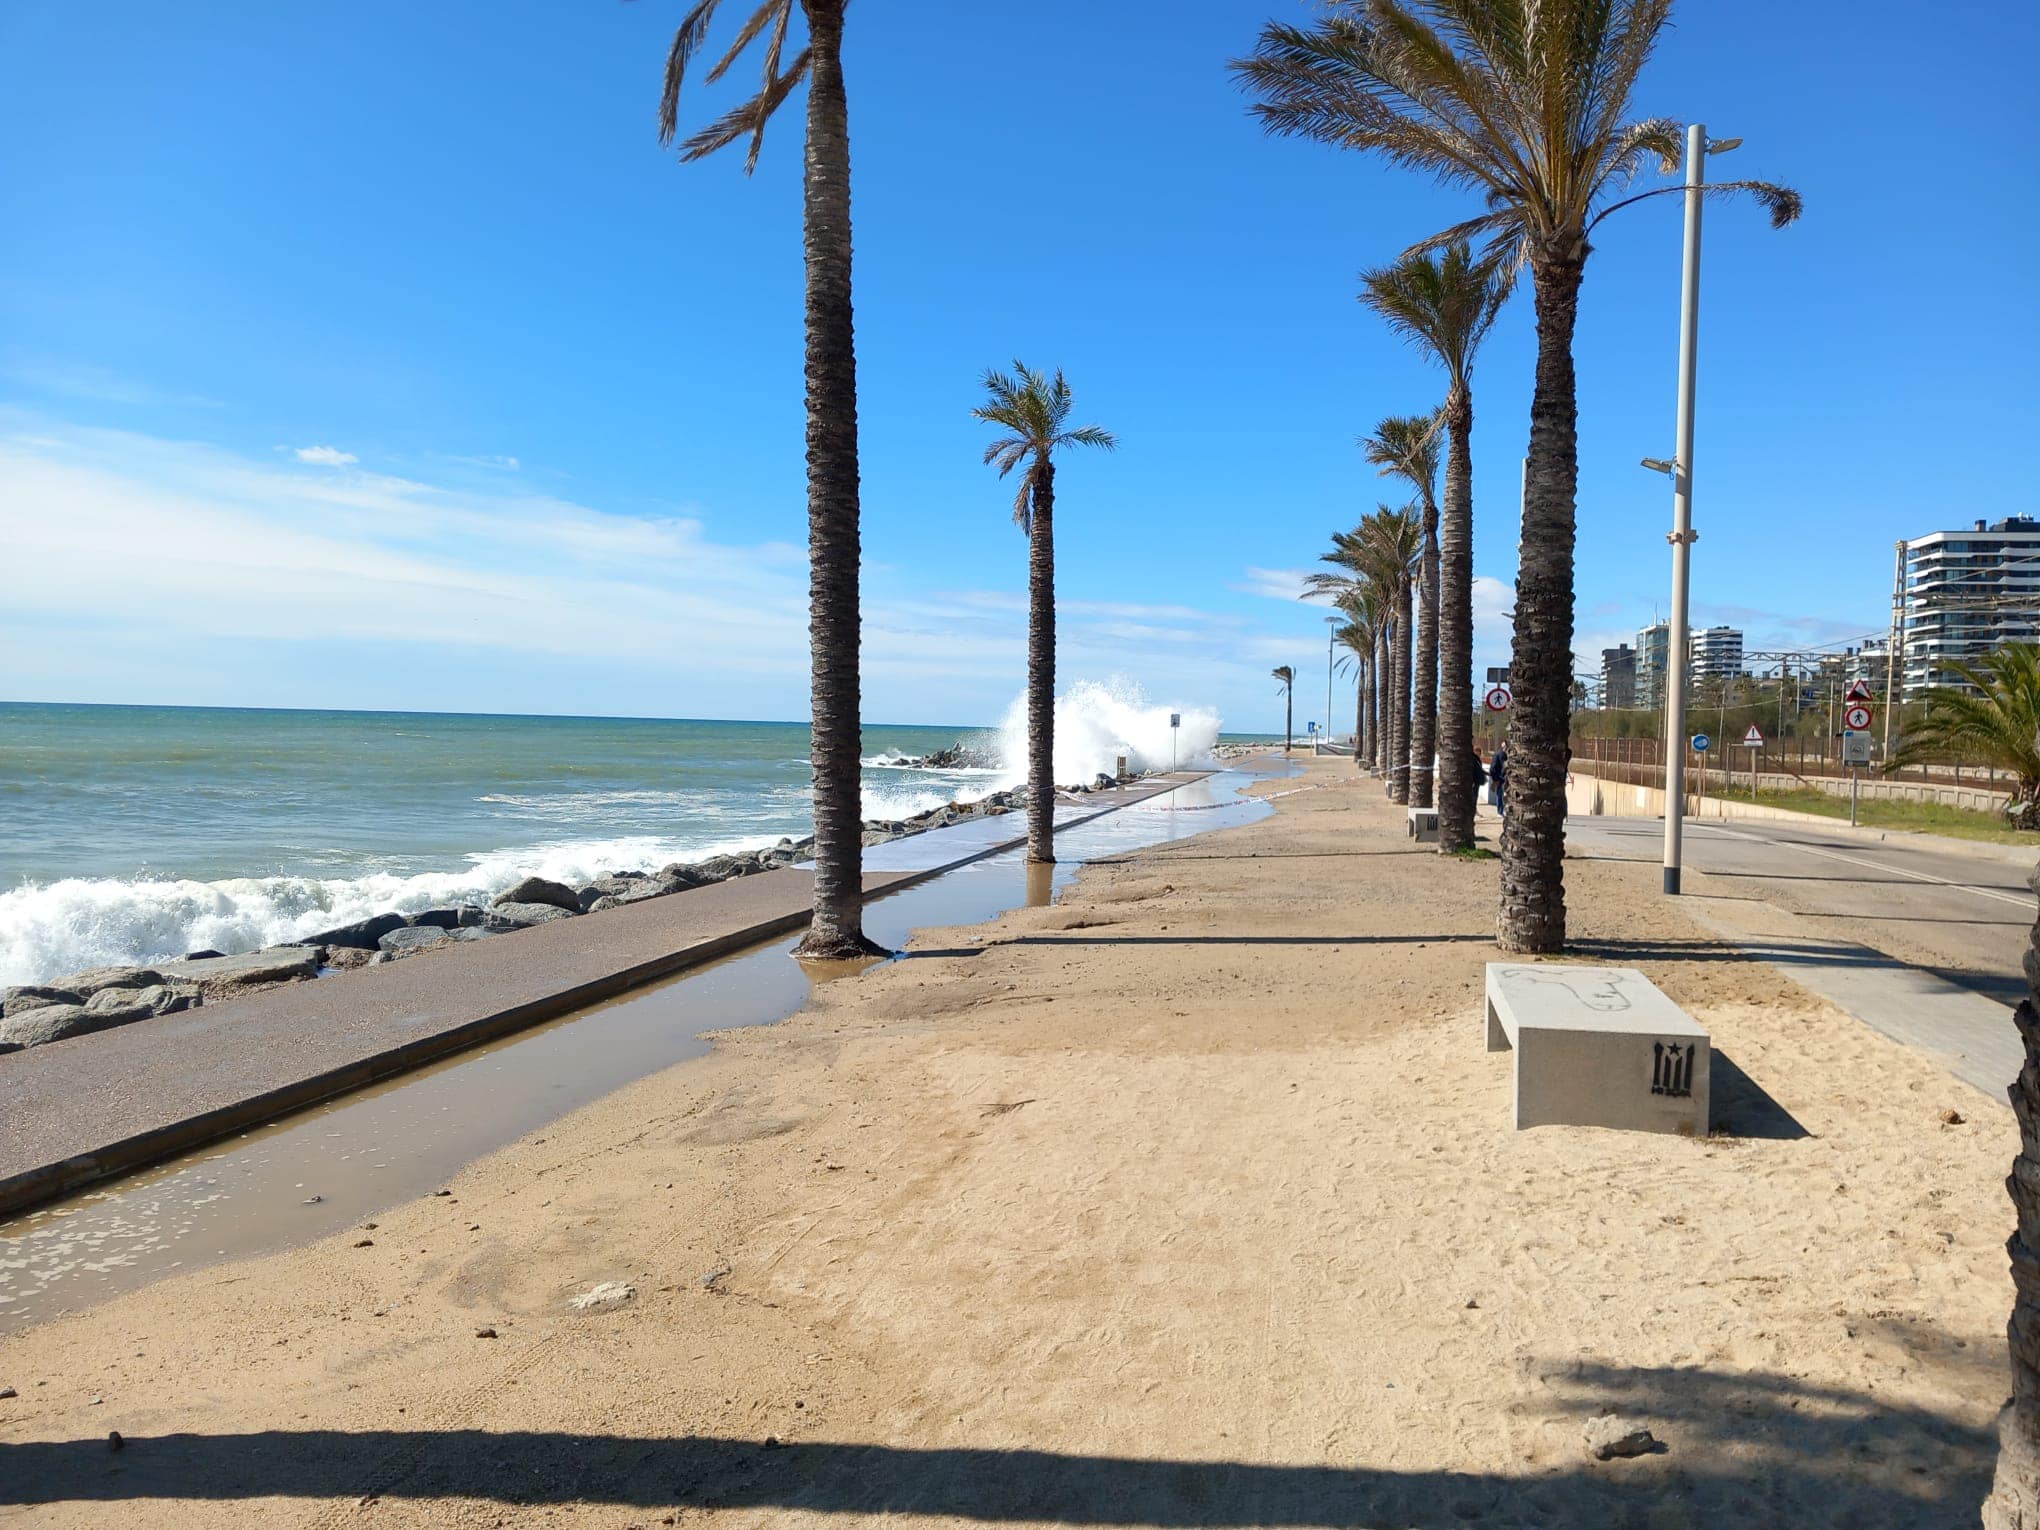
1701	744
1175	722
1856	753
1754	742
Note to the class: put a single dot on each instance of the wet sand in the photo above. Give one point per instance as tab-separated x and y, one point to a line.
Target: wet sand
1190	1199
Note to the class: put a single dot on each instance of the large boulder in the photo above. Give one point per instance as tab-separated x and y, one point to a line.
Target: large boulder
415	937
90	982
521	916
346	958
679	877
106	1009
24	997
458	916
362	935
224	975
624	887
539	890
630	892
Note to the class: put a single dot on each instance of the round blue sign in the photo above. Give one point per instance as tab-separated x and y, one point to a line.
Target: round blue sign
1701	743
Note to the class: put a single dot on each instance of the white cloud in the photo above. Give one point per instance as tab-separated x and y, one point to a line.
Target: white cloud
496	464
139	548
325	456
1274	583
81	380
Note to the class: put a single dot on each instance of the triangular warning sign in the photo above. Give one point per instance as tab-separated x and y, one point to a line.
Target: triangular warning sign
1860	691
1753	738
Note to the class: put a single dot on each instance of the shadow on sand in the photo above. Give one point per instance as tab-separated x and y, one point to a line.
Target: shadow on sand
1743	1448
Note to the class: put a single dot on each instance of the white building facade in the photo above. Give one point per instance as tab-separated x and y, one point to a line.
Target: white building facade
1966	594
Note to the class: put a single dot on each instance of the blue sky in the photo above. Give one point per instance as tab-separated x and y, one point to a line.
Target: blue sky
378	356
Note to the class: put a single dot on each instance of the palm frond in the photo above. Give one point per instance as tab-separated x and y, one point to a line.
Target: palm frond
1524	102
1034	408
1997	721
749	119
1444	303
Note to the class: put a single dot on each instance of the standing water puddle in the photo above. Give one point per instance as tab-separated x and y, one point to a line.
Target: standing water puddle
329	1167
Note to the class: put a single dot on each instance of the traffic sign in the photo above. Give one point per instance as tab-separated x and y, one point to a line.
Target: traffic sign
1856	719
1497	699
1702	743
1754	739
1498	674
1860	691
1855	748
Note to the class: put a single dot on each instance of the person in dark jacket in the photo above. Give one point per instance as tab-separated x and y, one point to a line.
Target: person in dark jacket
1498	779
1476	777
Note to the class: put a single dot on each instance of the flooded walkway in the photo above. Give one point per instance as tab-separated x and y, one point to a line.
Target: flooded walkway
327	1167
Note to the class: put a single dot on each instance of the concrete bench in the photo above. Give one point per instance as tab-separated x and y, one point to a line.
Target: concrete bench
1598	1046
1424	825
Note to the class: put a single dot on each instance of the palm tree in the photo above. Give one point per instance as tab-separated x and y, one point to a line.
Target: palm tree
1355	590
1992	717
1522	102
2014	1502
1035	409
1406	447
1377	559
1286	674
837	928
1445	303
1356	636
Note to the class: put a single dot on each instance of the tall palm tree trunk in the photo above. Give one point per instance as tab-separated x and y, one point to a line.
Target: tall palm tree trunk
1288	714
1399	758
1424	698
1455	632
1360	712
2014	1502
837	929
1378	702
1532	916
1041	667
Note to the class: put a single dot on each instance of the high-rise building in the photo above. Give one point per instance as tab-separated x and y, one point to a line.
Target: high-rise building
1618	676
1653	655
1966	594
1717	653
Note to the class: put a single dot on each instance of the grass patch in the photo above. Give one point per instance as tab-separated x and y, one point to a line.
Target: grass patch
1477	853
1884	813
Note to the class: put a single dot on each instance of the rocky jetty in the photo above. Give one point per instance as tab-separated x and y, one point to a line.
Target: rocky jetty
33	1014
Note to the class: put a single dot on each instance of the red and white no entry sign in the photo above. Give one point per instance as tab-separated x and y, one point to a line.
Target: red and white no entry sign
1856	719
1497	699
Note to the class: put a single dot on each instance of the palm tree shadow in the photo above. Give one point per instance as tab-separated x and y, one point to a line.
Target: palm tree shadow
1741	1447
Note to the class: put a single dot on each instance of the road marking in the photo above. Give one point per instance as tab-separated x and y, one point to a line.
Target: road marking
1835	855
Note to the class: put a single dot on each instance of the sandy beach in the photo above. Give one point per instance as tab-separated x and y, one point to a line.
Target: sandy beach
1191	1199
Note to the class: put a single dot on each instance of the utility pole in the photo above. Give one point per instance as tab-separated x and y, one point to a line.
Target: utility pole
1891	693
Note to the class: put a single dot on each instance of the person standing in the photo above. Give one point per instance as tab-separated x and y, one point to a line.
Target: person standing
1475	775
1498	779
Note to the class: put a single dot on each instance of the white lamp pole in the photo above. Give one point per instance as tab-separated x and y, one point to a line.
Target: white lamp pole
1331	632
1680	468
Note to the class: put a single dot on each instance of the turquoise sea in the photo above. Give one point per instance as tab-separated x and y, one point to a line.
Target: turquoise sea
139	833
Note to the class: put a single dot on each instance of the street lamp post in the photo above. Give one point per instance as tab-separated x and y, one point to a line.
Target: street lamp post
1680	469
1331	634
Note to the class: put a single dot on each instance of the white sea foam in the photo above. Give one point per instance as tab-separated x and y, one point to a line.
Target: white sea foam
48	930
1097	721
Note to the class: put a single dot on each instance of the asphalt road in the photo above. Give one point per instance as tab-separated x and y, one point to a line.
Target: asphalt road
1909	937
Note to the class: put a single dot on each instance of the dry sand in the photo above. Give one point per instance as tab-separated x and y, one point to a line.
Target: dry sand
1189	1200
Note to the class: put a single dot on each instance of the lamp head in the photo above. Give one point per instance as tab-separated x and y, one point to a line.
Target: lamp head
1723	145
1660	465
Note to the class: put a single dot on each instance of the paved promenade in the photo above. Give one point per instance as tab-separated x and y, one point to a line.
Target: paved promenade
77	1111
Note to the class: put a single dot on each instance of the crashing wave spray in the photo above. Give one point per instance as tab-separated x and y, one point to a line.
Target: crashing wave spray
1096	722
